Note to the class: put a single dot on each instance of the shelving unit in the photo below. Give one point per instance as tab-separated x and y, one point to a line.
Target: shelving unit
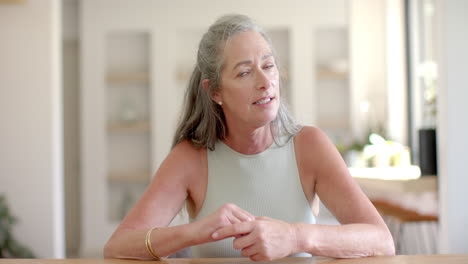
327	74
137	126
128	130
128	78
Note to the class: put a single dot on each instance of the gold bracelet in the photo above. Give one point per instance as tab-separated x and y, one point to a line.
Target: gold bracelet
149	248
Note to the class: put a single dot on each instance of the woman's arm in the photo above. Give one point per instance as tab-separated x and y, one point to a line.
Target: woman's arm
362	231
161	201
180	177
130	243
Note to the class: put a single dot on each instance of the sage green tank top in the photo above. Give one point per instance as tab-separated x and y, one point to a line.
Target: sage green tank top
264	184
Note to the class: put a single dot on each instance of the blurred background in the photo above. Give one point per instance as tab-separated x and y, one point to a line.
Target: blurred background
91	92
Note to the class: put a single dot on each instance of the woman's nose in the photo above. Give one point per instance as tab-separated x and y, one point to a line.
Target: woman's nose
263	80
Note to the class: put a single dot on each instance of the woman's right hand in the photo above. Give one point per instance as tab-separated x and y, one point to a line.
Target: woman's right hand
227	214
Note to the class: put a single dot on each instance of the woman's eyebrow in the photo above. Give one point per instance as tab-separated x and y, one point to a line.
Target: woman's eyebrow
242	63
250	61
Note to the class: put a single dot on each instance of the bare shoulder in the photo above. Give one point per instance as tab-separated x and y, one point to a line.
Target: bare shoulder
309	134
171	186
192	163
186	158
309	145
312	140
315	151
178	169
186	151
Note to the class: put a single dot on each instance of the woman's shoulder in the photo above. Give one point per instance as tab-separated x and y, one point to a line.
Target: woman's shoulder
314	151
311	143
192	162
310	135
186	145
184	159
185	151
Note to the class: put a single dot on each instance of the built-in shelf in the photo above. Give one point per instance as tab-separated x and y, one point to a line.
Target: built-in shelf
327	74
140	126
128	78
129	177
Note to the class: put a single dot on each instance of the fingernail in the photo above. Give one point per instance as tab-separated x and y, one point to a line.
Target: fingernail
215	235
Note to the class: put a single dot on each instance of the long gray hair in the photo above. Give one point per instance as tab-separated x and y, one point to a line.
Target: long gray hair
203	121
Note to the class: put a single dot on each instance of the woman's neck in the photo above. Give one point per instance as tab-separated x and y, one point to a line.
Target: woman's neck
249	141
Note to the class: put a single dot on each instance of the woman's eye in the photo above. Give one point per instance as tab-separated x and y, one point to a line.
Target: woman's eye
269	66
244	73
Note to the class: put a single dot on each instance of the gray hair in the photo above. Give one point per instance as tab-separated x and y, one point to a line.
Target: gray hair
203	121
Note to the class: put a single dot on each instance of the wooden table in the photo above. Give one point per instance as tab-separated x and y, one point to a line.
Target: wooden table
410	259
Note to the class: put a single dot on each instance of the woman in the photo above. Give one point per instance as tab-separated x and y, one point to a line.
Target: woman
247	173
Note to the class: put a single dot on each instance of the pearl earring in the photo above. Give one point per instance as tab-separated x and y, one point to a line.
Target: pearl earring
220	103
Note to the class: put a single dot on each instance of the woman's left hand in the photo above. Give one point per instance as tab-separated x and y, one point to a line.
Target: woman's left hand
262	239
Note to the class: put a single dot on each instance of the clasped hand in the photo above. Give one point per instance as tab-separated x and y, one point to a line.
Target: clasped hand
259	238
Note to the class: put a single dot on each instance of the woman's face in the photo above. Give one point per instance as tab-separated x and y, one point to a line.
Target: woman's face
249	87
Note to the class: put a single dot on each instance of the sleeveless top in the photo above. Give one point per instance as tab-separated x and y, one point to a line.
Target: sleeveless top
264	184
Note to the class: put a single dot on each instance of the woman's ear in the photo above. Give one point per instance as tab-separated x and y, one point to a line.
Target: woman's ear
215	96
206	84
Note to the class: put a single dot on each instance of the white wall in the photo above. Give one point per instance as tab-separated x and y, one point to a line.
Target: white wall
453	126
396	89
30	120
378	68
368	64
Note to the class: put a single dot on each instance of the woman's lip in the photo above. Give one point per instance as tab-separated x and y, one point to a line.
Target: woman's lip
266	103
263	98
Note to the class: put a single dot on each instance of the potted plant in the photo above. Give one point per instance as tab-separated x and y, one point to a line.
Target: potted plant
9	246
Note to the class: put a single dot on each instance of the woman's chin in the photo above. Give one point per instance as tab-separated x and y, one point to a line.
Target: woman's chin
265	120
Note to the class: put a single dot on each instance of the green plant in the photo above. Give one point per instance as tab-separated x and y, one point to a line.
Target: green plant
9	247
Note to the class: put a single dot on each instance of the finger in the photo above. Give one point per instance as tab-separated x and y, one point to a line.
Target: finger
249	251
243	215
233	219
236	214
256	257
233	230
242	242
266	218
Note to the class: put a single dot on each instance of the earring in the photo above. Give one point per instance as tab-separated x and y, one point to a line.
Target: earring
220	103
